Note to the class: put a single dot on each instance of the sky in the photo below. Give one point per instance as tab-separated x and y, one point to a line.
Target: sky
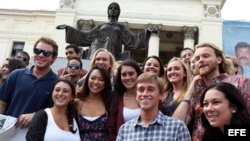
232	10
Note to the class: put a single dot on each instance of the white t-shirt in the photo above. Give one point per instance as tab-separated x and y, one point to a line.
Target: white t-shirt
54	133
129	114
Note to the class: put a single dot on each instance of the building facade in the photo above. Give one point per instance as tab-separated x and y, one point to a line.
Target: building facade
182	23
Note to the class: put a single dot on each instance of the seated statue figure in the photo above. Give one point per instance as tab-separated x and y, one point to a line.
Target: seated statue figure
111	35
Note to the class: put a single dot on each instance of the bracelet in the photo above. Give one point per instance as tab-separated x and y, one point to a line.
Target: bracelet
186	100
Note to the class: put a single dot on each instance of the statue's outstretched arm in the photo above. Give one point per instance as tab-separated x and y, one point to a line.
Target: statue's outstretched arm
62	26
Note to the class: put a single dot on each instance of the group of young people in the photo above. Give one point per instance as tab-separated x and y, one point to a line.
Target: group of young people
122	101
215	97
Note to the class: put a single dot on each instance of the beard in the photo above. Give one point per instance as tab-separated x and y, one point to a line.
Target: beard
208	69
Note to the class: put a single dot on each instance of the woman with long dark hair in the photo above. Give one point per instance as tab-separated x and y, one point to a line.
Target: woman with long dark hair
124	105
222	104
92	105
57	122
153	64
9	65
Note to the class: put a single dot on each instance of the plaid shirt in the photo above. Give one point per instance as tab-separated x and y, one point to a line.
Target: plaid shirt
195	110
163	128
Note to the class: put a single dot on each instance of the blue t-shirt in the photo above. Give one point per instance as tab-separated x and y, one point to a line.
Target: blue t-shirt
25	93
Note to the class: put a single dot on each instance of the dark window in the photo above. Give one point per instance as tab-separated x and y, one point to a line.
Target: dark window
17	46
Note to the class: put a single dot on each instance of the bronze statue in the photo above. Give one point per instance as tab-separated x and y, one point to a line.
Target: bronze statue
109	35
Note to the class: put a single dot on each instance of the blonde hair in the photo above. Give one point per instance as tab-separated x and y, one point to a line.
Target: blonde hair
92	65
224	66
186	80
235	63
234	60
111	57
151	77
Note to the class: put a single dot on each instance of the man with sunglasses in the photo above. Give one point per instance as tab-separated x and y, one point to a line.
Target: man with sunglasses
28	90
72	73
24	56
71	51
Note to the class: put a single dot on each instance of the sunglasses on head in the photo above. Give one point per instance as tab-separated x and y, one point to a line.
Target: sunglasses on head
38	51
77	67
22	58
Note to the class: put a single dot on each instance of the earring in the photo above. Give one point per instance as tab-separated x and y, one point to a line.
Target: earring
233	111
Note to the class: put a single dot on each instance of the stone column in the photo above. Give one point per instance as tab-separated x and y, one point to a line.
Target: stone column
154	41
189	36
212	24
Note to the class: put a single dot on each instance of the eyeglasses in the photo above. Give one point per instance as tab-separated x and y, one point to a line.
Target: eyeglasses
22	58
70	52
38	51
77	67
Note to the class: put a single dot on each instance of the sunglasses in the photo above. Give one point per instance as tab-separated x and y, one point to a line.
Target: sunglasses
22	58
46	53
77	67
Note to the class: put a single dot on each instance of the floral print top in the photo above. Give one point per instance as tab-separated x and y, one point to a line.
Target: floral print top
95	130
